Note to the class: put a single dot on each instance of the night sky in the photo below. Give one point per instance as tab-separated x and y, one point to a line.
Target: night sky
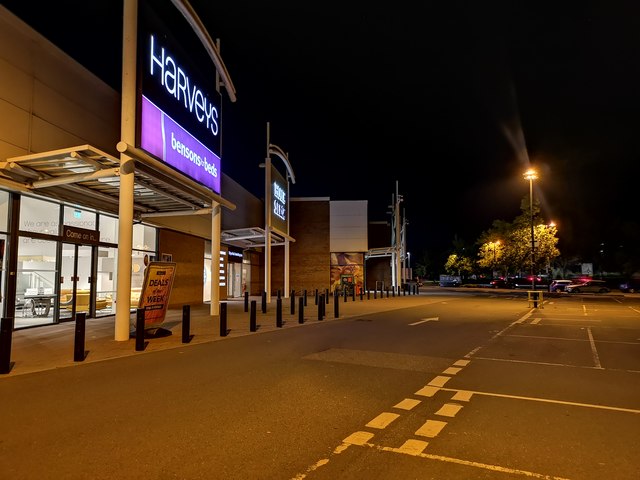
452	100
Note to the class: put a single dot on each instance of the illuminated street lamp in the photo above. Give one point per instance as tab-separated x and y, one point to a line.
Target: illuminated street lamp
531	175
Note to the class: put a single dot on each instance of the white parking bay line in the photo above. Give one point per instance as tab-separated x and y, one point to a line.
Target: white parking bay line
433	319
431	428
382	420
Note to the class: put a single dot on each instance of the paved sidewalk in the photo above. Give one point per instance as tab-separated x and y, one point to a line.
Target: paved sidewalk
52	346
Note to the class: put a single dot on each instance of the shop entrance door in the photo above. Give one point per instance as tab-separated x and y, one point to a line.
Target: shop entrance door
75	281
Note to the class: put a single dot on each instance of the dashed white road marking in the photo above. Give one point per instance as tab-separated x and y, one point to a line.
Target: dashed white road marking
462	396
382	420
451	371
413	447
439	381
407	404
427	391
536	321
358	438
431	428
449	410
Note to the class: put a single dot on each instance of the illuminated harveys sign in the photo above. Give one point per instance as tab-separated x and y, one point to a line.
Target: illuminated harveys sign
178	103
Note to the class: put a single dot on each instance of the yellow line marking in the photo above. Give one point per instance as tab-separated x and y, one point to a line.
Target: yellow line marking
439	381
427	391
462	396
382	420
449	410
451	371
413	447
462	363
431	428
407	404
358	438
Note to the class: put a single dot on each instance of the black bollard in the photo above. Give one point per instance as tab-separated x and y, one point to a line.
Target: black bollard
393	292
78	342
246	301
279	312
320	307
305	298
368	294
375	294
353	295
186	323
326	296
6	331
317	297
279	296
345	294
301	310
388	292
223	319
140	343
293	302
336	306
264	302
252	317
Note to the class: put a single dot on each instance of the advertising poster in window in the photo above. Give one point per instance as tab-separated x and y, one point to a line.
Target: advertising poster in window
347	272
156	291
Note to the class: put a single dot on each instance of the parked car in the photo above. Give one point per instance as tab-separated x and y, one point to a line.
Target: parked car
559	285
630	286
525	282
498	283
588	286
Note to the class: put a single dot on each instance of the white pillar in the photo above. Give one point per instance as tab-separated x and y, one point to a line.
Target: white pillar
128	135
287	244
216	213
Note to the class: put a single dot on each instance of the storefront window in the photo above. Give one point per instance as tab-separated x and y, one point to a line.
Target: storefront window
108	229
144	237
106	281
39	216
4	210
35	282
77	217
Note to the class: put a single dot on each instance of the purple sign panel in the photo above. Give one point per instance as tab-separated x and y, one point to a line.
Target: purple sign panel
162	137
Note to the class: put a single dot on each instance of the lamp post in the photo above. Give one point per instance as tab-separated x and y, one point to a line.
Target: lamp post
531	175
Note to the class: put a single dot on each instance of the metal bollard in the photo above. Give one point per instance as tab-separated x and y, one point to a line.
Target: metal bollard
326	296
186	323
345	295
301	310
264	302
78	341
223	319
279	312
6	331
317	297
252	317
140	343
305	298
246	301
320	307
293	302
336	306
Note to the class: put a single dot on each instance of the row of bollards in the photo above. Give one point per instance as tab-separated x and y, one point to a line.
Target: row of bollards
80	354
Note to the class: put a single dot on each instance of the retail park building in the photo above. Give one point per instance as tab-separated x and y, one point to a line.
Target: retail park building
94	183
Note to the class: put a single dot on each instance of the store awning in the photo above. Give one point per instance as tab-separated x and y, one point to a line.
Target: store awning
253	237
86	176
